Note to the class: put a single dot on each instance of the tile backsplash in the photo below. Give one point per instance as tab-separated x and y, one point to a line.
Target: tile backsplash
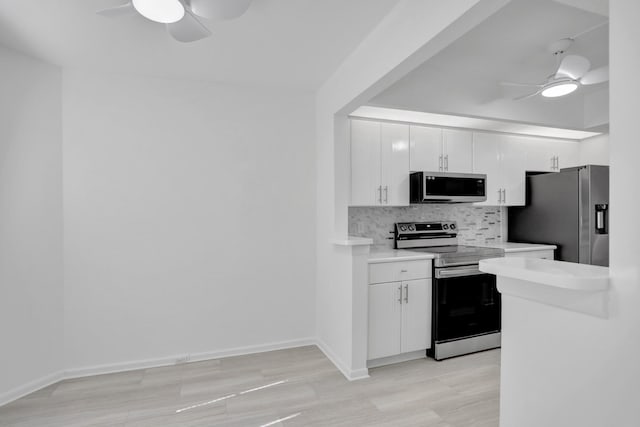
476	224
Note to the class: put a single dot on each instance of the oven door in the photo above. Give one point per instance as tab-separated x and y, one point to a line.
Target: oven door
466	303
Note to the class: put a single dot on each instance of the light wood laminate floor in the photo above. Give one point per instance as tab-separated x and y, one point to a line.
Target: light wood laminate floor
295	387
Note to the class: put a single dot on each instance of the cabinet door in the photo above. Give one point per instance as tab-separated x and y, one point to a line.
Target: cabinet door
394	146
458	150
425	149
416	315
486	160
568	154
513	163
539	152
365	163
384	320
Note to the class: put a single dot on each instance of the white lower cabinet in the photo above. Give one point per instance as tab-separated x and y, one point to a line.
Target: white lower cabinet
399	314
385	314
416	316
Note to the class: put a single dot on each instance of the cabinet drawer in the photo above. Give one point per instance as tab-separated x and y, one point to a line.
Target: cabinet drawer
399	271
545	254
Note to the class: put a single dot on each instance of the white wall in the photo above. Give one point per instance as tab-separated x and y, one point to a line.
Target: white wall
595	150
30	224
189	218
410	34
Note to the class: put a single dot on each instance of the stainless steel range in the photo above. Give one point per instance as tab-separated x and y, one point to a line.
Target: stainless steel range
466	303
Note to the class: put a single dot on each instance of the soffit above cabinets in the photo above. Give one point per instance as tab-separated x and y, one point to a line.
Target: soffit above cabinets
472	123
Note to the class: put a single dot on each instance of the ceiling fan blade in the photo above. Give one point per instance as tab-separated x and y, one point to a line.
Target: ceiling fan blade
126	9
520	84
188	29
595	76
527	96
220	10
573	66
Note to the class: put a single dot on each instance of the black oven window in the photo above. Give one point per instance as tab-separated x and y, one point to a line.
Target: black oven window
466	306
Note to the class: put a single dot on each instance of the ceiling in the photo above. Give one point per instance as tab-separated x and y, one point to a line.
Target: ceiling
464	79
292	43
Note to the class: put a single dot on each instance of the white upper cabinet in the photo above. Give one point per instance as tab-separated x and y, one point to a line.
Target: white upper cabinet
365	163
394	145
549	155
425	149
379	164
441	150
487	160
503	161
458	150
513	173
567	153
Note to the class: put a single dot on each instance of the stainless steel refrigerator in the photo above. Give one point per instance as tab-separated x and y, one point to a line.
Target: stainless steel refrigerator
570	209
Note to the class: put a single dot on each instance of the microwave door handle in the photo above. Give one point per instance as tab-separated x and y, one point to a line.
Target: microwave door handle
440	163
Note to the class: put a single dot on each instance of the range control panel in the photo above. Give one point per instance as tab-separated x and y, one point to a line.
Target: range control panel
425	227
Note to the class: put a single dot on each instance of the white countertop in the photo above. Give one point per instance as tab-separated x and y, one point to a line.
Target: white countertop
566	275
510	247
381	253
386	254
352	241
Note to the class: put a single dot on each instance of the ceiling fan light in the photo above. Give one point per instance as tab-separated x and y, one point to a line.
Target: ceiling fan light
559	89
163	11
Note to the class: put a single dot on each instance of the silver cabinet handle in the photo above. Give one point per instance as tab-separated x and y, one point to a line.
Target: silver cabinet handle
557	163
499	196
440	163
504	195
446	162
380	194
386	194
553	163
400	290
403	271
406	294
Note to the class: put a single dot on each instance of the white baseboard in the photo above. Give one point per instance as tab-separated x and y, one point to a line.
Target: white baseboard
45	381
351	375
30	387
404	357
184	358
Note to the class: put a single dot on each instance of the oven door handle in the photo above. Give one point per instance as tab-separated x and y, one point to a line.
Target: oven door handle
442	273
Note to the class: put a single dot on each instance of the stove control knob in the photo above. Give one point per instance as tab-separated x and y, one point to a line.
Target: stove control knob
412	228
445	227
403	228
452	226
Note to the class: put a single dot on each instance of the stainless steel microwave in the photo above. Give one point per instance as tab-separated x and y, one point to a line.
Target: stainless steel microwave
444	187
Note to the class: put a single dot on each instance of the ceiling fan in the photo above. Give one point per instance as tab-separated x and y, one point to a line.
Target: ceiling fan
181	17
572	72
